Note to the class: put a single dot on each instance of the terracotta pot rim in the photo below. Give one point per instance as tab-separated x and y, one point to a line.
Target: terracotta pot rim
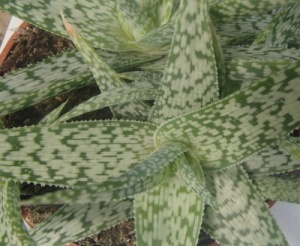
9	45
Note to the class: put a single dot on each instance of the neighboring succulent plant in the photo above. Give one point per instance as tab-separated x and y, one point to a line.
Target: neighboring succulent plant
194	146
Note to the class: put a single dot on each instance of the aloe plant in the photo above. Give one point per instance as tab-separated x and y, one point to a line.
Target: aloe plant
207	154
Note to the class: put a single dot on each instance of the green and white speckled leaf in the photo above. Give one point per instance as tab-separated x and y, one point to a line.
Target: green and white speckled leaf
160	38
53	115
74	153
159	11
220	62
128	93
270	160
229	10
12	228
292	146
149	173
55	76
169	214
149	77
243	217
242	30
163	13
105	77
134	21
190	77
282	28
185	170
242	73
260	53
75	221
96	19
279	188
253	118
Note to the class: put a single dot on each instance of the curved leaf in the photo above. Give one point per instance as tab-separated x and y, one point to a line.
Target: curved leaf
190	77
243	217
74	153
75	221
252	118
13	230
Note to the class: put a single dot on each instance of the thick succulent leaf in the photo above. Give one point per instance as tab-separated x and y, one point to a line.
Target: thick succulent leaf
35	83
75	221
38	82
13	230
149	173
186	173
270	160
279	188
127	93
159	11
159	37
229	10
134	21
242	73
242	30
219	58
190	77
105	77
149	77
106	32
260	53
74	153
170	213
53	115
252	118
282	28
292	146
243	217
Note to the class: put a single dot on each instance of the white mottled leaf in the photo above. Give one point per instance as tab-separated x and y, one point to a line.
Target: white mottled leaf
282	28
270	160
254	118
127	93
12	227
149	173
292	146
192	174
76	221
28	86
190	77
106	32
243	217
74	153
171	212
105	76
229	10
53	115
279	188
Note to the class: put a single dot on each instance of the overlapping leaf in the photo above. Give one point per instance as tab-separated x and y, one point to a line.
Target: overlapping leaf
282	28
149	173
75	221
38	82
190	78
279	188
171	212
270	160
253	118
12	227
124	94
74	153
105	77
243	216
